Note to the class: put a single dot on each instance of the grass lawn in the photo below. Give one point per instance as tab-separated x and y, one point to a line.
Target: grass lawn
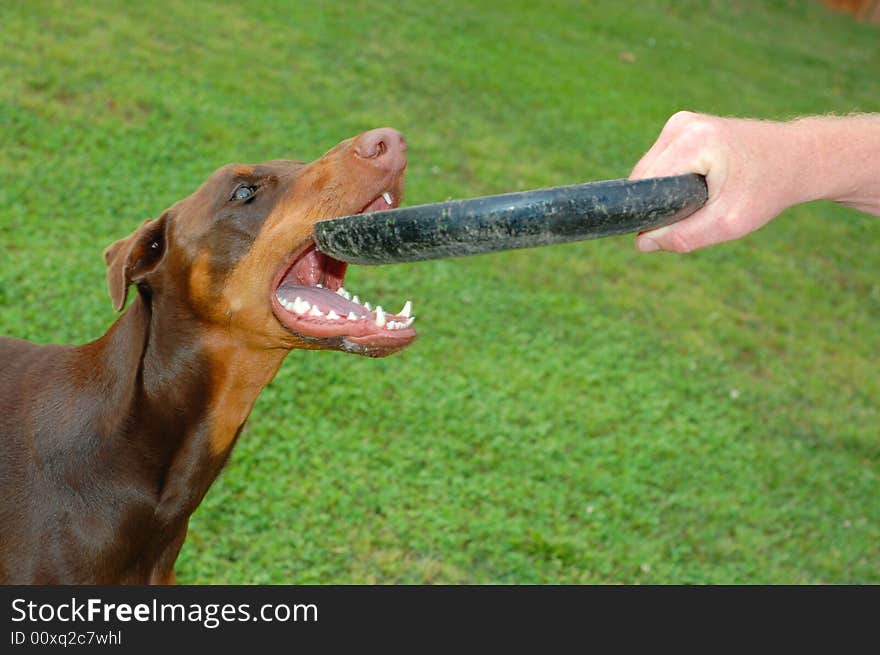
572	414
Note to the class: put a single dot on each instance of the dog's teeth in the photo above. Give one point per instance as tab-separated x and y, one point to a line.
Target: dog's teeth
332	315
319	285
387	197
356	300
314	311
392	325
300	306
407	308
380	316
367	305
351	316
342	292
409	321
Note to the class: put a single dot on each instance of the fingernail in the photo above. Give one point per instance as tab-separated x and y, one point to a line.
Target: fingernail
647	244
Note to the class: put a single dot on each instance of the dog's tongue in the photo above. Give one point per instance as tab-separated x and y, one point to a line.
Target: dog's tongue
314	279
324	299
312	290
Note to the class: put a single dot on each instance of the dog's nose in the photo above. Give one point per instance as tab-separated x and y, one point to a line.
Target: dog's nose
380	144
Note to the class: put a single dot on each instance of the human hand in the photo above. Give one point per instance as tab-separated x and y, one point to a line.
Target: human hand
752	171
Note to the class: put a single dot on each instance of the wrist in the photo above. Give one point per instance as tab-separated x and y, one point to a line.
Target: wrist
805	160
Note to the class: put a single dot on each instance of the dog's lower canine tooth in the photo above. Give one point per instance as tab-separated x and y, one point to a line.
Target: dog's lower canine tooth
407	308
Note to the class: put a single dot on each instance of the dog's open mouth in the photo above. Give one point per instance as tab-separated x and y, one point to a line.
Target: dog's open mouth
310	300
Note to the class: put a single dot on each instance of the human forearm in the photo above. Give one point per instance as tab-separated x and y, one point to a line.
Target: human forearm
845	154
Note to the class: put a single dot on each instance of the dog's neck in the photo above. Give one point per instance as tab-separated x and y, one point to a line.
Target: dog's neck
183	393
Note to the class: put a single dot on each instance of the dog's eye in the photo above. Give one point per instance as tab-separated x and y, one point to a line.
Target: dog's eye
244	192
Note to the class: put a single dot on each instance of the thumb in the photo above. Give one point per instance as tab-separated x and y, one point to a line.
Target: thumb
692	233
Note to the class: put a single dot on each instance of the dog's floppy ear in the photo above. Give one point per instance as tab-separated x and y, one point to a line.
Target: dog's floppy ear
130	259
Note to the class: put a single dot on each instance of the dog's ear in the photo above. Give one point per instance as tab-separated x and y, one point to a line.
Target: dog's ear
130	259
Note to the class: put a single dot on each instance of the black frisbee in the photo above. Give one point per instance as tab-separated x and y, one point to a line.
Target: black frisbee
526	219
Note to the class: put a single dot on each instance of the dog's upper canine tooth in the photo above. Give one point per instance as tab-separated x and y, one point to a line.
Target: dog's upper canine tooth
407	308
409	321
387	197
380	316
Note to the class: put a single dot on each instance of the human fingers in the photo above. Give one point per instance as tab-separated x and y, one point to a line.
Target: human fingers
670	132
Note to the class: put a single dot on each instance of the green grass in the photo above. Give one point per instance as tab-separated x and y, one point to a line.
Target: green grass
576	414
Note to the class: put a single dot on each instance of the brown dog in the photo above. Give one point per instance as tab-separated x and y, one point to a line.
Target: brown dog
107	449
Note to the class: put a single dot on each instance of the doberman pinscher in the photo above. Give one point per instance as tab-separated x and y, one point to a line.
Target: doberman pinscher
106	449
